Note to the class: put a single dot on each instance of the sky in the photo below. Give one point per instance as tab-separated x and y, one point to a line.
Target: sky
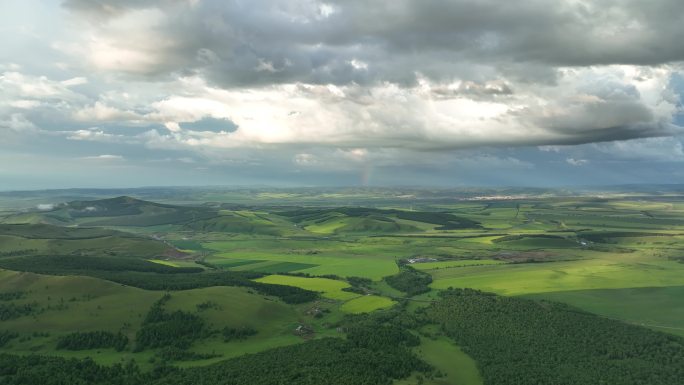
126	93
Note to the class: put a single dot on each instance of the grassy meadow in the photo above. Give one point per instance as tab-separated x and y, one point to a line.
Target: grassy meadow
620	258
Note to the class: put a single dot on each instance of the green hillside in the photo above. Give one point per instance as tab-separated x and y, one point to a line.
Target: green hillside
120	211
42	239
172	287
234	223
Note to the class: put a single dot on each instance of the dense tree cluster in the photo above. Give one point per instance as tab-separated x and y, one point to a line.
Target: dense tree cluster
232	334
92	340
521	342
11	295
44	370
329	361
376	352
410	281
206	305
359	285
381	336
16	253
354	289
161	328
173	353
509	238
359	281
7	336
11	310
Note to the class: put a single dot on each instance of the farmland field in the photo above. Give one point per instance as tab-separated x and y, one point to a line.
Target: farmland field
201	287
328	288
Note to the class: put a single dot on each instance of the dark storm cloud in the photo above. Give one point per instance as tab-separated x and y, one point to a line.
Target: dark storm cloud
263	42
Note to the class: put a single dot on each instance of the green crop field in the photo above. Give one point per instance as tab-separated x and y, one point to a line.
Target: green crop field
328	287
659	308
601	272
366	303
455	366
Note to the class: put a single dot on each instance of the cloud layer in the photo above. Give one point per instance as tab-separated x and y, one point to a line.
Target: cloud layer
330	85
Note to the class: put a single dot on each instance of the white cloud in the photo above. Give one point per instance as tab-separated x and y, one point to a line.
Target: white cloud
92	134
99	112
583	107
77	81
24	104
265	66
576	162
10	67
358	64
17	123
354	154
117	45
305	159
18	85
104	157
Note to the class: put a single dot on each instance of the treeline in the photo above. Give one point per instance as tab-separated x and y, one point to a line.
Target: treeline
445	221
148	281
232	334
76	264
521	342
16	253
93	340
153	276
509	238
607	236
359	285
410	281
173	353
